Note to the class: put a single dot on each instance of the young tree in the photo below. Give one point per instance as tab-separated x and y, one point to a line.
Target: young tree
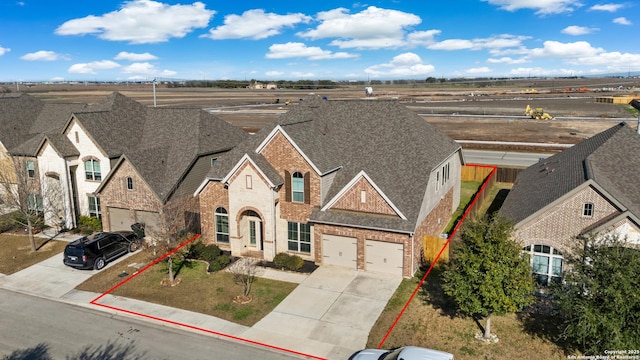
599	301
488	274
244	272
22	191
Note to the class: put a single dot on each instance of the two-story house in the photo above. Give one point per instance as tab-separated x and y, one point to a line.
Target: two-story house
590	188
349	183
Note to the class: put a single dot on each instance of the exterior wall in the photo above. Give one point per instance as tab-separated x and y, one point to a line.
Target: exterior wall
259	198
116	194
325	185
433	224
558	226
629	230
361	235
87	149
8	173
436	192
212	196
49	162
284	157
374	202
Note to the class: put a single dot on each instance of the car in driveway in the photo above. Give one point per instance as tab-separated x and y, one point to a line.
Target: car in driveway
401	353
96	250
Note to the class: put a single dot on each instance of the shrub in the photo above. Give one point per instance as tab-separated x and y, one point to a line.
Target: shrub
89	224
219	263
280	260
210	253
8	222
289	262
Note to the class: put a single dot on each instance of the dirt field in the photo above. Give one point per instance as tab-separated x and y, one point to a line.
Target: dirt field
464	112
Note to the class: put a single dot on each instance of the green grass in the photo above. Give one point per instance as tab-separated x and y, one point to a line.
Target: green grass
467	190
207	293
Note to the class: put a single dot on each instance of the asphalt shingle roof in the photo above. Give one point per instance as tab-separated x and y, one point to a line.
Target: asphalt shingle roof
393	145
609	158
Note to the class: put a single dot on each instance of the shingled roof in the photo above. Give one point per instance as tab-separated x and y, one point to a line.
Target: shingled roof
394	146
610	159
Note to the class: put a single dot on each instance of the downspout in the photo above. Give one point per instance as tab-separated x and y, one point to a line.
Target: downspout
273	201
413	255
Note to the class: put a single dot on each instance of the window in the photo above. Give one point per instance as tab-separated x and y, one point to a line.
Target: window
92	170
252	232
438	181
129	183
213	161
587	210
297	187
77	137
34	202
94	207
31	169
249	182
222	225
299	236
363	196
546	263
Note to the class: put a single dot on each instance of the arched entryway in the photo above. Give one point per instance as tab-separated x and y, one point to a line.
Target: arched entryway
251	230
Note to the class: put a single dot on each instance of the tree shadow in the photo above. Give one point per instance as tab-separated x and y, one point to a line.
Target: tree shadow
541	320
38	352
433	293
109	351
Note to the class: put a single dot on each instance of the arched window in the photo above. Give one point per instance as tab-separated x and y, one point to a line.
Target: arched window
92	170
222	225
546	263
297	187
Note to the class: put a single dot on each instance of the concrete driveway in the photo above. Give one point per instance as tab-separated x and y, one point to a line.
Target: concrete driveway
330	312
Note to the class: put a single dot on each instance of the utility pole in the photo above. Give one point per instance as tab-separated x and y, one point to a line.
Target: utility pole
154	92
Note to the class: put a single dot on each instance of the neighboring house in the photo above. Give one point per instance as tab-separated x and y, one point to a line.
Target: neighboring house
74	147
350	183
173	154
590	188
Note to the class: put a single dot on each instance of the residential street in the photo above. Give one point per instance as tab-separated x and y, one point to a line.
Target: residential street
37	328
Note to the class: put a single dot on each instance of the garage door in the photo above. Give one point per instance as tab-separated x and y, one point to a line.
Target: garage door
119	219
383	257
340	250
150	219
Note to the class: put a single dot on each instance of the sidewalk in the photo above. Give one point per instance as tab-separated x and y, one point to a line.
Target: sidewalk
329	315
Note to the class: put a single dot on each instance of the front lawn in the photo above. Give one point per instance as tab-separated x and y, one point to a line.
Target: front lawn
16	254
210	294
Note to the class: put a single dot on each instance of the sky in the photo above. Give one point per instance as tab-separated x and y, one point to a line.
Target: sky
142	40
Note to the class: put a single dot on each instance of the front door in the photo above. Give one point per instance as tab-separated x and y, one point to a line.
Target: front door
254	232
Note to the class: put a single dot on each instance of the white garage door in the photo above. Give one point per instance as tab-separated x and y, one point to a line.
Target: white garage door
340	250
383	257
119	219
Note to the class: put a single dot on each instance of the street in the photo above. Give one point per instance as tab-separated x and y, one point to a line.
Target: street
35	328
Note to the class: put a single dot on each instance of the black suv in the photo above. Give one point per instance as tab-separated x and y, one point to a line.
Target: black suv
94	251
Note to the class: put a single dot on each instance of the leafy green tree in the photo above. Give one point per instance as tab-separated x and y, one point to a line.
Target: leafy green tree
488	274
599	302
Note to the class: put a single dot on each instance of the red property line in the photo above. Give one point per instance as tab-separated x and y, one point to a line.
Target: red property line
94	302
455	229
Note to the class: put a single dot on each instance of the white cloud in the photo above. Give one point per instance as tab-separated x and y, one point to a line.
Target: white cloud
407	64
146	69
141	22
123	55
295	49
452	44
491	43
479	70
543	7
92	67
506	60
373	28
302	75
577	30
4	50
42	55
255	24
274	73
621	21
607	7
537	71
556	49
423	38
614	61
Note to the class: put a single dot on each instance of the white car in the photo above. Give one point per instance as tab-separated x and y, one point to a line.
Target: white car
402	353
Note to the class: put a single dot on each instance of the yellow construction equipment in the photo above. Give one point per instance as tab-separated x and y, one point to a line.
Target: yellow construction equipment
537	113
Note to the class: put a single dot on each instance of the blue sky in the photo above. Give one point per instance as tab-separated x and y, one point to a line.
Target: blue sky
43	40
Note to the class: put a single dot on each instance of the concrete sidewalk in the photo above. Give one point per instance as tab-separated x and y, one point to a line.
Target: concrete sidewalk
329	315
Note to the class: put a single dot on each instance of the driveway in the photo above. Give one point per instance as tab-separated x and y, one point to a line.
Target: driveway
329	314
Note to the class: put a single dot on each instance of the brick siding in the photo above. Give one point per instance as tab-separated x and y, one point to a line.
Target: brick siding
374	202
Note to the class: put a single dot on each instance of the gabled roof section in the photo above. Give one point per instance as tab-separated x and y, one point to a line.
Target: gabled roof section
279	130
61	144
247	159
608	159
362	175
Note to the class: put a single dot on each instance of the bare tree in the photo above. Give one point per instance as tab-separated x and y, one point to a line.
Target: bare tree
23	191
171	229
244	272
